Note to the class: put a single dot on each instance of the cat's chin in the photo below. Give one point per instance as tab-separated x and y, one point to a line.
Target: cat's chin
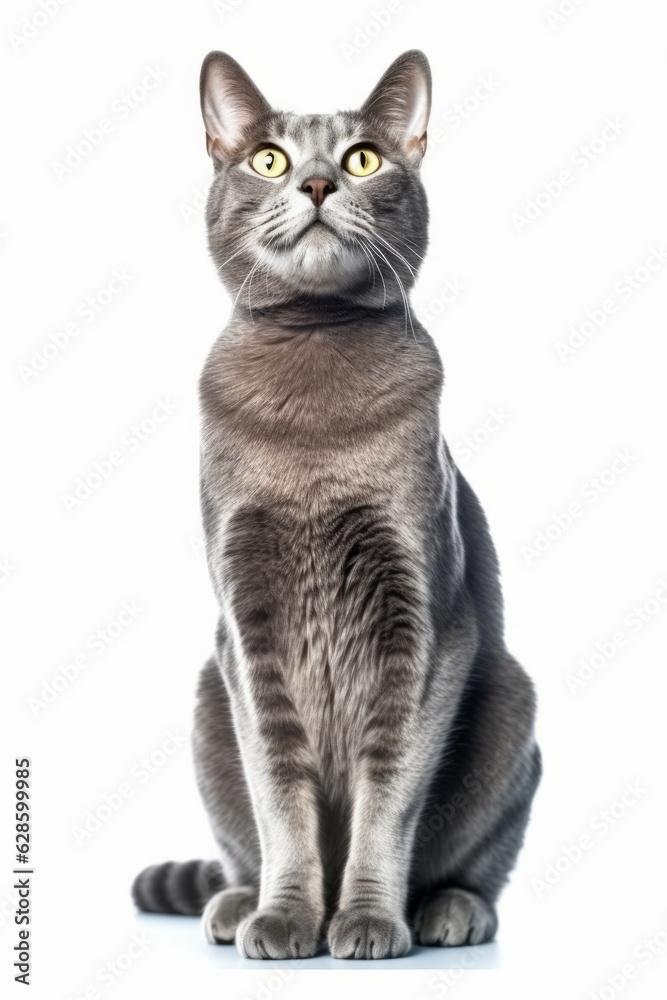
317	241
320	261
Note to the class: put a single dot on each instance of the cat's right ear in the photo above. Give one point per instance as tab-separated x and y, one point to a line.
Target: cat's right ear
230	104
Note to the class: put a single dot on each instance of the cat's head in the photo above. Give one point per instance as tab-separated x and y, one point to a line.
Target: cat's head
317	205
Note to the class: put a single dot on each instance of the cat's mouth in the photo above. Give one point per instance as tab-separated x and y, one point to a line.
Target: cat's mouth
315	228
323	232
316	225
317	242
317	234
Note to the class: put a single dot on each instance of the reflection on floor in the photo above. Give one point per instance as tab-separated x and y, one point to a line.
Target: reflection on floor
187	929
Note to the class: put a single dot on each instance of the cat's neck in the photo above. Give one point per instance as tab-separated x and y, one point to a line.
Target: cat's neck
308	313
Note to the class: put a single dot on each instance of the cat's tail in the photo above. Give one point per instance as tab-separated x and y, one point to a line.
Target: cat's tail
177	887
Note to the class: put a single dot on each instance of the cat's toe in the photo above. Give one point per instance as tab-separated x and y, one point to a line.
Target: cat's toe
278	933
225	911
368	935
454	917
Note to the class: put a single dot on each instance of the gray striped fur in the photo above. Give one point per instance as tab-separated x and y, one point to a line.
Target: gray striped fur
364	740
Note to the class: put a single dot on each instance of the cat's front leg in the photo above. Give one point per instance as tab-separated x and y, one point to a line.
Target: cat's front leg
370	920
388	782
289	918
277	758
404	734
282	781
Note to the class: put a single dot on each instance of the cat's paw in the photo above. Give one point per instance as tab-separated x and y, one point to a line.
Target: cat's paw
455	917
277	932
373	934
225	911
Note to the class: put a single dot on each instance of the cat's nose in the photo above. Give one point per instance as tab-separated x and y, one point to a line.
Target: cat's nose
318	188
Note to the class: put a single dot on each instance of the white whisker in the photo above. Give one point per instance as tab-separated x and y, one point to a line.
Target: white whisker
406	303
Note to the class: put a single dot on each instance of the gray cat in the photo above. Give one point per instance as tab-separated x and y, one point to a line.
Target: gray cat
364	741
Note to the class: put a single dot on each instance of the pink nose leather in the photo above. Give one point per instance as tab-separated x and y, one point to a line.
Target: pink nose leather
318	188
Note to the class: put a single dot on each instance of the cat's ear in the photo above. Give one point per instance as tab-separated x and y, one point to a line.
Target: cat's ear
230	103
402	98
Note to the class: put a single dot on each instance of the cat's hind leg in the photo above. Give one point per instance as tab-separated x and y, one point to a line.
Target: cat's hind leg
225	911
187	888
455	917
222	783
472	826
461	910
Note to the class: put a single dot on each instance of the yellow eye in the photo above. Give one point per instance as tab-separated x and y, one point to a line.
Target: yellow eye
270	162
361	161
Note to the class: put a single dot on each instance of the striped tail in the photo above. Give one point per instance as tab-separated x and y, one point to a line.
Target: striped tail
177	887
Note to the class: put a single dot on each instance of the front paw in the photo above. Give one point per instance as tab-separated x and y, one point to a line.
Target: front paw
379	934
276	932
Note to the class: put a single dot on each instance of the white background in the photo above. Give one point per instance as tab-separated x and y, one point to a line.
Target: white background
134	204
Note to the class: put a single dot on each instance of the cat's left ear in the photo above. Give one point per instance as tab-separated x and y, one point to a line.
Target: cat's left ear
230	103
402	98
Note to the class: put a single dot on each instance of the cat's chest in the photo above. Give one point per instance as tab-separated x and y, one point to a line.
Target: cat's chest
299	380
308	409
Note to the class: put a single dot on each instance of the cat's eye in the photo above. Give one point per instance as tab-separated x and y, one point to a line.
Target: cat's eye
361	161
270	162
